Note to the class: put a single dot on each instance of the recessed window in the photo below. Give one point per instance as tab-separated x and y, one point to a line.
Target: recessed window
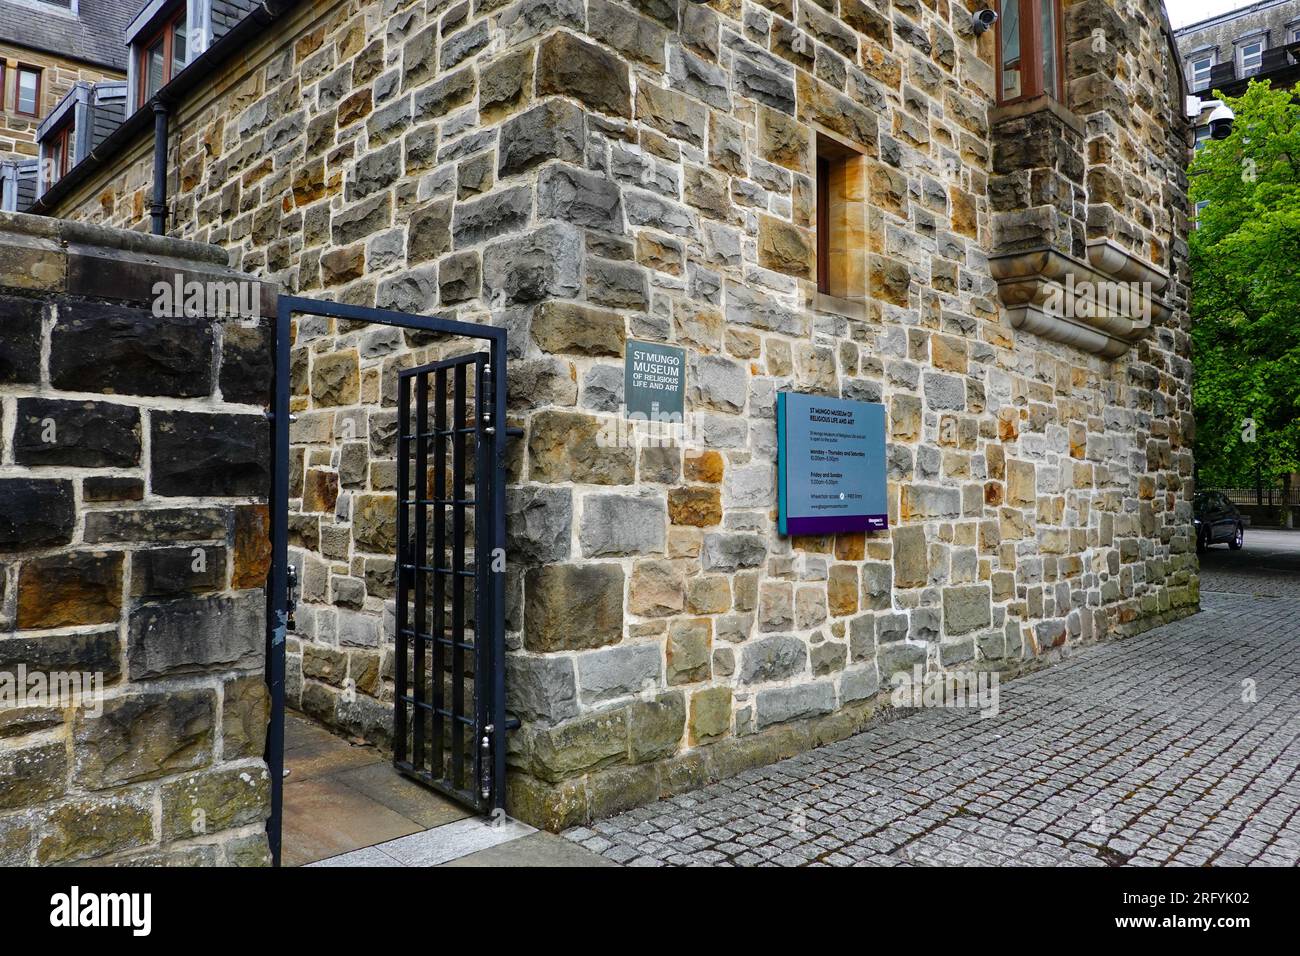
162	55
1250	56
1202	137
27	97
1196	213
59	149
1199	72
841	221
1029	50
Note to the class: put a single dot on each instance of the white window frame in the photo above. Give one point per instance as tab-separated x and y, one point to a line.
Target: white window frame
1196	212
1193	67
1257	40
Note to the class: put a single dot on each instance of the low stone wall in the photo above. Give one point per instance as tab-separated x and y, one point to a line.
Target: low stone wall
133	554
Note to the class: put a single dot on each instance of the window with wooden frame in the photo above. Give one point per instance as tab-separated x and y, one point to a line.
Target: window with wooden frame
841	221
161	55
59	148
27	91
1030	62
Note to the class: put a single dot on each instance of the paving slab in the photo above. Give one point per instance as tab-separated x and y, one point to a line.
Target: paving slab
323	818
540	849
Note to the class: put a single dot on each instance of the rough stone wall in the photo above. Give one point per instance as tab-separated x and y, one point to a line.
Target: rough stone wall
133	549
586	172
18	132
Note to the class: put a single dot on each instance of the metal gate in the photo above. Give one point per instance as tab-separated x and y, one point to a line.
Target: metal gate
449	738
448	672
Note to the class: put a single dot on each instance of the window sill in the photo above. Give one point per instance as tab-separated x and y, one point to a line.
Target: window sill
1038	104
836	305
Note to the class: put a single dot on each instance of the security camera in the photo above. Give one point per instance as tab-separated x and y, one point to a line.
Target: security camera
981	20
1221	122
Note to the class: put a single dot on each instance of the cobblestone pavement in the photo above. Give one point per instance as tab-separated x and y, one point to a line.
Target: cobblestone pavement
1139	752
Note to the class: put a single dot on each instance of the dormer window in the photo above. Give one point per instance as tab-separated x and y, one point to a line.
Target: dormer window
1250	57
162	55
1198	72
1029	50
58	152
165	37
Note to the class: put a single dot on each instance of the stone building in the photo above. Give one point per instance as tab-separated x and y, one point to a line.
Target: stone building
1260	41
590	173
47	48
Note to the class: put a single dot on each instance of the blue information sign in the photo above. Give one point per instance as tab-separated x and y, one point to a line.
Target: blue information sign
830	465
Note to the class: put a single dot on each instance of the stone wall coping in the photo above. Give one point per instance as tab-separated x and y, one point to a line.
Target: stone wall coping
66	232
57	256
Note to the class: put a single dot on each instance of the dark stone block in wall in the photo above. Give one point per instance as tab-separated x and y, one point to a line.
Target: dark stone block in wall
95	652
80	434
82	587
246	363
35	512
143	737
550	130
194	634
199	454
572	67
20	340
107	488
176	572
99	348
156	524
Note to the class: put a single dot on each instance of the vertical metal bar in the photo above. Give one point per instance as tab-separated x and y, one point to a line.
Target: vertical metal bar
437	561
483	663
277	614
420	494
404	557
498	627
458	587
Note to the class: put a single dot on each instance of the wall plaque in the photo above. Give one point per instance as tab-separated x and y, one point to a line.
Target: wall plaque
654	381
830	465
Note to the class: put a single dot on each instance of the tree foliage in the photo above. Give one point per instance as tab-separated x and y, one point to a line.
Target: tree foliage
1245	260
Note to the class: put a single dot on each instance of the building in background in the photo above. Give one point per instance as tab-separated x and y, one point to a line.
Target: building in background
55	56
1225	52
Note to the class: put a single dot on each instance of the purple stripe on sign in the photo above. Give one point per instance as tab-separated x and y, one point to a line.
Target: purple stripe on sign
833	524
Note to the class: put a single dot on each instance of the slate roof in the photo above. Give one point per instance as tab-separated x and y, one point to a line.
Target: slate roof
95	34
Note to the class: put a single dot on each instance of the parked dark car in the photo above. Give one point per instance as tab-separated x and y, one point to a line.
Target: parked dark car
1217	520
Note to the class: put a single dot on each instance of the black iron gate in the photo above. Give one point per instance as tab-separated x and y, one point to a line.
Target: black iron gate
447	704
449	717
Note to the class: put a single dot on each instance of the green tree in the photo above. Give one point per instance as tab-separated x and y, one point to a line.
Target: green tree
1245	259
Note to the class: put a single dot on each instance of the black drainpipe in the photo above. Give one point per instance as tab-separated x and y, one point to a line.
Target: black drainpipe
158	210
